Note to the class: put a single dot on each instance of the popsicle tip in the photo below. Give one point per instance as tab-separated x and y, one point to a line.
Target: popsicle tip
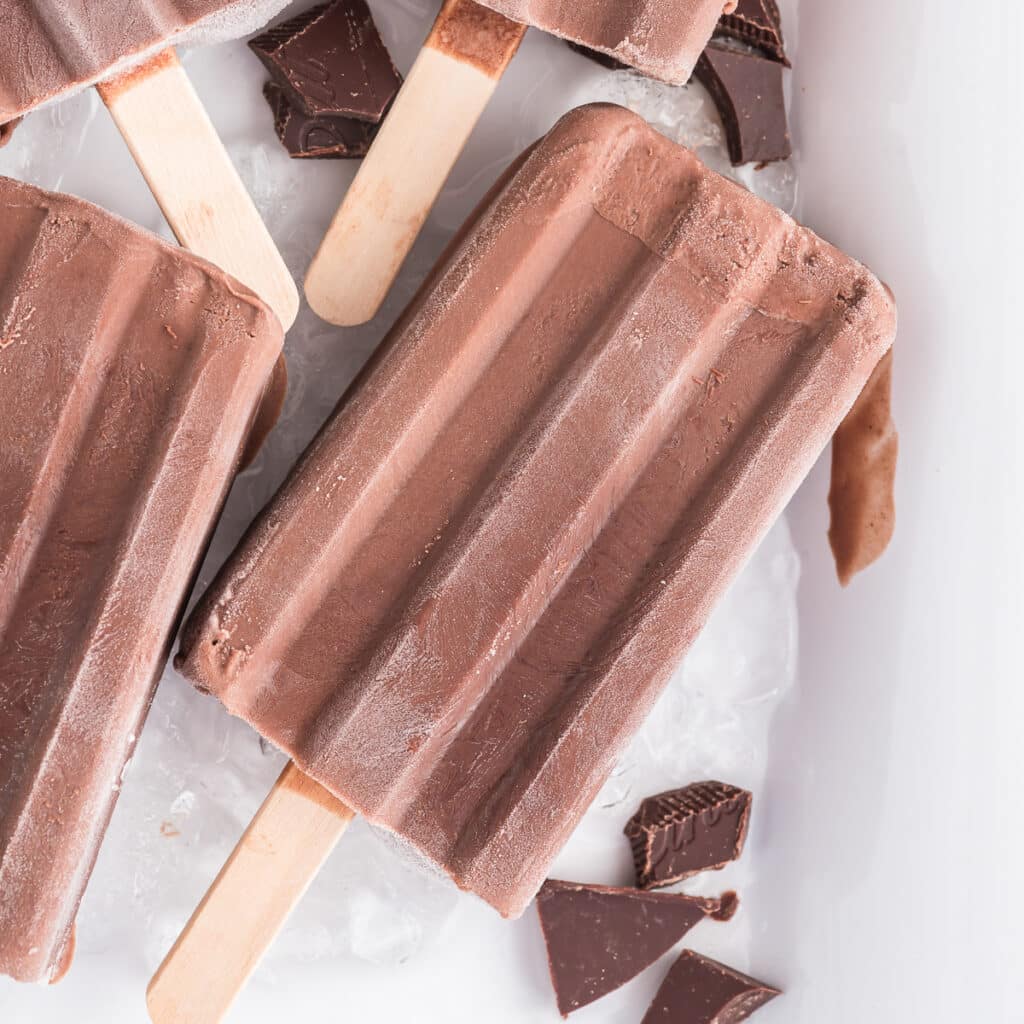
334	302
156	1006
286	303
167	1003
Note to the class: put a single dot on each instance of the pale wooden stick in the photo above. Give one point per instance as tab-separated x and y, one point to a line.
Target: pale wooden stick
264	878
433	115
191	175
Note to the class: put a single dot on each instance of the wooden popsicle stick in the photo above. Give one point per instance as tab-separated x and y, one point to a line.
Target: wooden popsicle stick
264	878
433	115
191	175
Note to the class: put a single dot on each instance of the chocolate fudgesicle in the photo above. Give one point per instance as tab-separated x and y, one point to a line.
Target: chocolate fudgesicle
659	39
677	834
480	576
129	375
49	50
747	91
599	937
698	990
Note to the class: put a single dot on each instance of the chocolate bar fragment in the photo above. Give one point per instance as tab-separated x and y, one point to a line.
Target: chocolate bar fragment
599	937
7	130
756	23
331	62
862	497
551	517
698	990
323	137
747	90
680	833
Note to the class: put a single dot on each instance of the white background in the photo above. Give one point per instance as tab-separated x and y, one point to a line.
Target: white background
891	820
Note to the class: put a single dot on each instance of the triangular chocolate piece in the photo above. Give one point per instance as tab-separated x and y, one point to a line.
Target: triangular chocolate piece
680	833
698	990
599	937
747	90
757	23
330	60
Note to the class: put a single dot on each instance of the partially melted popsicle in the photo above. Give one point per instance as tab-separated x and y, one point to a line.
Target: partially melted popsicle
129	375
444	95
50	49
478	579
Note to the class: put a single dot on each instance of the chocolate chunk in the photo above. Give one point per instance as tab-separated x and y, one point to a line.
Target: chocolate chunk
698	990
331	61
862	498
7	130
599	937
606	60
747	90
757	23
680	833
324	138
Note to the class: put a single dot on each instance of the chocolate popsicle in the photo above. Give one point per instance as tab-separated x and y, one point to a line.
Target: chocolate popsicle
49	51
478	579
129	375
435	112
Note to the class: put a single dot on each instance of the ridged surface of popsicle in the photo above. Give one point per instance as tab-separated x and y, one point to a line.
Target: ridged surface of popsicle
484	570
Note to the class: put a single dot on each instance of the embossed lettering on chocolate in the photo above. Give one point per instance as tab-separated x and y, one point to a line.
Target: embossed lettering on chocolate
129	372
476	582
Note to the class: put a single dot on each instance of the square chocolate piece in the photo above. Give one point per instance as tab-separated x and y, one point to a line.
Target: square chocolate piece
680	833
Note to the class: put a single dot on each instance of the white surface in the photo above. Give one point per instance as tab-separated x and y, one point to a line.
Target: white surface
896	793
884	878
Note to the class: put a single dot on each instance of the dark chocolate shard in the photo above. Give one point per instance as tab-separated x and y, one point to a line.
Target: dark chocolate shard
756	23
312	138
599	937
7	130
747	90
331	61
698	990
680	833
